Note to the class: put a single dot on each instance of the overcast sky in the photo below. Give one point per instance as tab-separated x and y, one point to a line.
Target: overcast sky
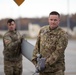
35	8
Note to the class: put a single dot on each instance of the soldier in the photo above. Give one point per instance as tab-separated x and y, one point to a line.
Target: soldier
51	42
12	50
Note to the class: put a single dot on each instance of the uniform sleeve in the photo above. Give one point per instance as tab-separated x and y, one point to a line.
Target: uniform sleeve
8	43
60	48
34	57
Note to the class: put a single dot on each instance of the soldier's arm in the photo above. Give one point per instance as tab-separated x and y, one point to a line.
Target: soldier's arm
8	43
35	52
60	48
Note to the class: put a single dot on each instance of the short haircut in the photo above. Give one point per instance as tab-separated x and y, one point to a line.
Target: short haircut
54	13
10	20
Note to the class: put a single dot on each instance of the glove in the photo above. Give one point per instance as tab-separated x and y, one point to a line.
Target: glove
40	65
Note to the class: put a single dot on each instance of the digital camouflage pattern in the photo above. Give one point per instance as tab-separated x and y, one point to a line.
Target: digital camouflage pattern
13	68
60	72
12	52
53	43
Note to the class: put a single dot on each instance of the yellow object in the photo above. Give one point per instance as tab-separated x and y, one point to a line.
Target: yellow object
19	2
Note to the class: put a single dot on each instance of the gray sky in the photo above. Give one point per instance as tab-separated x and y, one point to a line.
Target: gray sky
35	8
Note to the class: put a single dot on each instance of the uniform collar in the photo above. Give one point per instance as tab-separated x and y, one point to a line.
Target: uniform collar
12	31
53	28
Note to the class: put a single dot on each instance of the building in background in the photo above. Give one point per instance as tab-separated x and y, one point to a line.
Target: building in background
33	30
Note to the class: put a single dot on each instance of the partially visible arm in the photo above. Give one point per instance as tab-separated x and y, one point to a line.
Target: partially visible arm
60	48
34	57
8	43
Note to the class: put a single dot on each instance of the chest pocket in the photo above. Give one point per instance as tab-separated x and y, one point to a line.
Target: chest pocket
49	38
48	42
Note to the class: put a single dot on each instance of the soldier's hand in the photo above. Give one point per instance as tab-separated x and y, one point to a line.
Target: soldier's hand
40	64
21	39
23	36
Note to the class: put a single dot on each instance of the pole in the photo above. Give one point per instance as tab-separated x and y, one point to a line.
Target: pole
68	17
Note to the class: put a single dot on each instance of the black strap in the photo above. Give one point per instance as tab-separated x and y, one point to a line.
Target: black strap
39	46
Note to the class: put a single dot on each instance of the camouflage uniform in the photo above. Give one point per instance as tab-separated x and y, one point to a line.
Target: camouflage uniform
12	53
52	43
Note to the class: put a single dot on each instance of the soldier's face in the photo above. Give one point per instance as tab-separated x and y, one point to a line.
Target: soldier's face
54	21
11	26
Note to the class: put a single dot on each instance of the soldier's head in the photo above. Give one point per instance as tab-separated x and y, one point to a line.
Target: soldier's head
54	19
11	24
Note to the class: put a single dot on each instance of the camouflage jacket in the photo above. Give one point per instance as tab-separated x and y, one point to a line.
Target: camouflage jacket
12	46
52	44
